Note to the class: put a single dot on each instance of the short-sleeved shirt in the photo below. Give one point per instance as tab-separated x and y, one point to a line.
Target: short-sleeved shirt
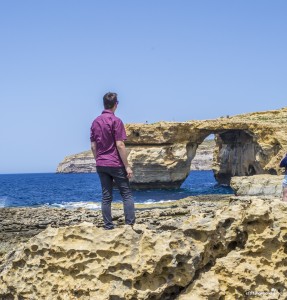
106	129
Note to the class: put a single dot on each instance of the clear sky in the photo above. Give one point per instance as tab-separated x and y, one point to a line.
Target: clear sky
167	60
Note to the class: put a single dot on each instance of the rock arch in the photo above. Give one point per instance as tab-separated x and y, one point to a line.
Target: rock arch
161	153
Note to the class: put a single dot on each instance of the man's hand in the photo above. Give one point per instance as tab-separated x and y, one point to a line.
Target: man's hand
123	154
94	149
130	172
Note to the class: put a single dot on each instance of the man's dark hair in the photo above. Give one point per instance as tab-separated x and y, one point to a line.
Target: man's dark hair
110	99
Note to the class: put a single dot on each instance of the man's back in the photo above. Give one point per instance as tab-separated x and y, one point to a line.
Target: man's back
105	131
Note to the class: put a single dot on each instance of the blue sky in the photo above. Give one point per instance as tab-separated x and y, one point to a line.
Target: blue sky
167	60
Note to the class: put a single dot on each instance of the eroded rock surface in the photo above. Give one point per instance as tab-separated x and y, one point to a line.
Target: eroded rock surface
19	224
161	153
189	250
257	185
256	265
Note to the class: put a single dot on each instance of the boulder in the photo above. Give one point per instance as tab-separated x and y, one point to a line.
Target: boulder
257	185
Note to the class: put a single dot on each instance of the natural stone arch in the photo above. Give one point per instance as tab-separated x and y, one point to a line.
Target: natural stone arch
239	151
236	154
161	153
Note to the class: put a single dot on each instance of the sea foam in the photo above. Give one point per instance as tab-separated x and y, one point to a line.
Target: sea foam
80	204
3	201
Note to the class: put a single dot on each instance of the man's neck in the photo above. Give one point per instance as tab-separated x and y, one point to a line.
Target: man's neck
112	109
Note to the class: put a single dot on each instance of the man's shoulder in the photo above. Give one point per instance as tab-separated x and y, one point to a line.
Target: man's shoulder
97	119
111	117
117	119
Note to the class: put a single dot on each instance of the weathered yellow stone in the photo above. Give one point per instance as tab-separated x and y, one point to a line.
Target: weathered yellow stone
261	185
256	269
209	253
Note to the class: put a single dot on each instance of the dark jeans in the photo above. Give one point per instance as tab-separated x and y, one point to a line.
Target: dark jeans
119	175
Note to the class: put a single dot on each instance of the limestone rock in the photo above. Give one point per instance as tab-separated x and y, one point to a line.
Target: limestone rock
204	156
83	162
19	224
257	185
197	251
161	153
160	167
255	268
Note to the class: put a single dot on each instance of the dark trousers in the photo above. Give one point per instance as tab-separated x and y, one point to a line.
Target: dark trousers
119	175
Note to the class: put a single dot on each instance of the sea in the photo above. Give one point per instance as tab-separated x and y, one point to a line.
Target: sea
84	190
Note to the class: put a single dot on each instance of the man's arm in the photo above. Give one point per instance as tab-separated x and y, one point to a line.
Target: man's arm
123	154
94	149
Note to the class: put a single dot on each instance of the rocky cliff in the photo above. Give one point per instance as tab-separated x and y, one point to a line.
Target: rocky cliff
161	153
204	156
232	248
83	162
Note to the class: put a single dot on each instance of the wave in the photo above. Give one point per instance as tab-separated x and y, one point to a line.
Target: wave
152	201
97	205
80	204
3	201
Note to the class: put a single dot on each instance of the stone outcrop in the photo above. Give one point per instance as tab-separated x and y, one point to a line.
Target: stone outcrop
256	265
258	185
187	250
83	162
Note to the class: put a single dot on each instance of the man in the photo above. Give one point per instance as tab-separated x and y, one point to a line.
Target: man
107	144
283	164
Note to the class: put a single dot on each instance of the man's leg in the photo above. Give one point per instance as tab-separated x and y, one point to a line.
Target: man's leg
107	196
122	182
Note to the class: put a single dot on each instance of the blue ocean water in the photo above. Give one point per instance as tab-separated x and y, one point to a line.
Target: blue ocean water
83	190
